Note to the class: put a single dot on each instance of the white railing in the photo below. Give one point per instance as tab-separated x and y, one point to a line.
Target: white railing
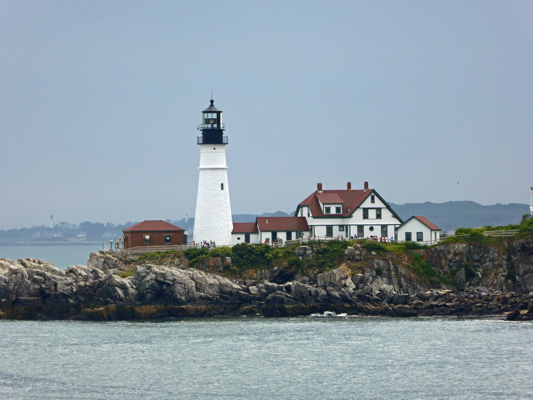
503	233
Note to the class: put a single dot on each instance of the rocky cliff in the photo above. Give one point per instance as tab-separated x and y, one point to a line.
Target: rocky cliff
451	279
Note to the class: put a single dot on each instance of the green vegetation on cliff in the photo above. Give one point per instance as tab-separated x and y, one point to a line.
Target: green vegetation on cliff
482	236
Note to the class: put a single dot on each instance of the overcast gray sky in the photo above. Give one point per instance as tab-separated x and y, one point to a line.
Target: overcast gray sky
99	103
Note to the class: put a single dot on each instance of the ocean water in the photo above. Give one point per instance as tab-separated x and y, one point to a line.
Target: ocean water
62	256
258	358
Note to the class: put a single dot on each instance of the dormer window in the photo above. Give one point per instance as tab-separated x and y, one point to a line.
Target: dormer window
338	210
327	210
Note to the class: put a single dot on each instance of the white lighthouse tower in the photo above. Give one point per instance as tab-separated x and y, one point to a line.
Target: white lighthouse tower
213	209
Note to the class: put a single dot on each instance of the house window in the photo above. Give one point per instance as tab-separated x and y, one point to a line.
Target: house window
246	238
168	239
419	236
221	186
327	210
329	231
371	229
146	239
372	199
384	231
378	213
360	231
341	228
338	210
408	236
308	213
289	235
365	213
298	235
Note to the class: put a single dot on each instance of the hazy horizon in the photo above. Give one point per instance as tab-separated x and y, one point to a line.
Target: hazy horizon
133	220
99	103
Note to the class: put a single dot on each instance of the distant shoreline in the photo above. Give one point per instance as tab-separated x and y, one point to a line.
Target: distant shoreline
84	243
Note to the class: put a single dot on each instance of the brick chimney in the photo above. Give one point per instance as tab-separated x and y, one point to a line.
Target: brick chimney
319	187
366	186
349	186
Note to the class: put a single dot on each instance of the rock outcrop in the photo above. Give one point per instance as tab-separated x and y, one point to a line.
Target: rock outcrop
474	280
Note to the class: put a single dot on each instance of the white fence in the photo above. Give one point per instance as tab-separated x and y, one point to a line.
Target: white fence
505	233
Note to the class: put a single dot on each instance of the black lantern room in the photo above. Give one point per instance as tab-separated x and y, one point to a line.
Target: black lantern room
212	127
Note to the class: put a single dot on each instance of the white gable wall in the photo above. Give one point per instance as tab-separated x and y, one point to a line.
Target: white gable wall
414	226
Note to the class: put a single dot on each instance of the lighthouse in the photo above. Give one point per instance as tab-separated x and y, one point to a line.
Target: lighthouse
213	221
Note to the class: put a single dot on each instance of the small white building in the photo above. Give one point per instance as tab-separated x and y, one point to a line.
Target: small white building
270	229
419	229
348	213
245	232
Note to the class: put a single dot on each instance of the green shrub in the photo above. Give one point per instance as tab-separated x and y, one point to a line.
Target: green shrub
193	252
463	231
526	226
414	246
252	256
375	247
221	252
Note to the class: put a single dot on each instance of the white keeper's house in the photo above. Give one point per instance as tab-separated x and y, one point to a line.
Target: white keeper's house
326	214
348	213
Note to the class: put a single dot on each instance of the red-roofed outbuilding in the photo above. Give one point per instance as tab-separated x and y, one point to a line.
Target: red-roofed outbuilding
268	229
153	233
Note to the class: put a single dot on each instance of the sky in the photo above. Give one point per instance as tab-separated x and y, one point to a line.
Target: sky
100	100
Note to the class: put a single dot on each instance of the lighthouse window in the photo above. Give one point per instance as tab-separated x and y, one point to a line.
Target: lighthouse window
221	186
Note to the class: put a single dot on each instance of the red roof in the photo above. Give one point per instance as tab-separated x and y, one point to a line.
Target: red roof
269	224
153	226
329	197
244	227
427	222
350	199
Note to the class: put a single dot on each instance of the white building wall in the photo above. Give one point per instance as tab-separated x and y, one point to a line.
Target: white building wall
387	218
415	226
238	238
213	208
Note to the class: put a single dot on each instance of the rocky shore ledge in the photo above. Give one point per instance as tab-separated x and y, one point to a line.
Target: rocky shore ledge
481	281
